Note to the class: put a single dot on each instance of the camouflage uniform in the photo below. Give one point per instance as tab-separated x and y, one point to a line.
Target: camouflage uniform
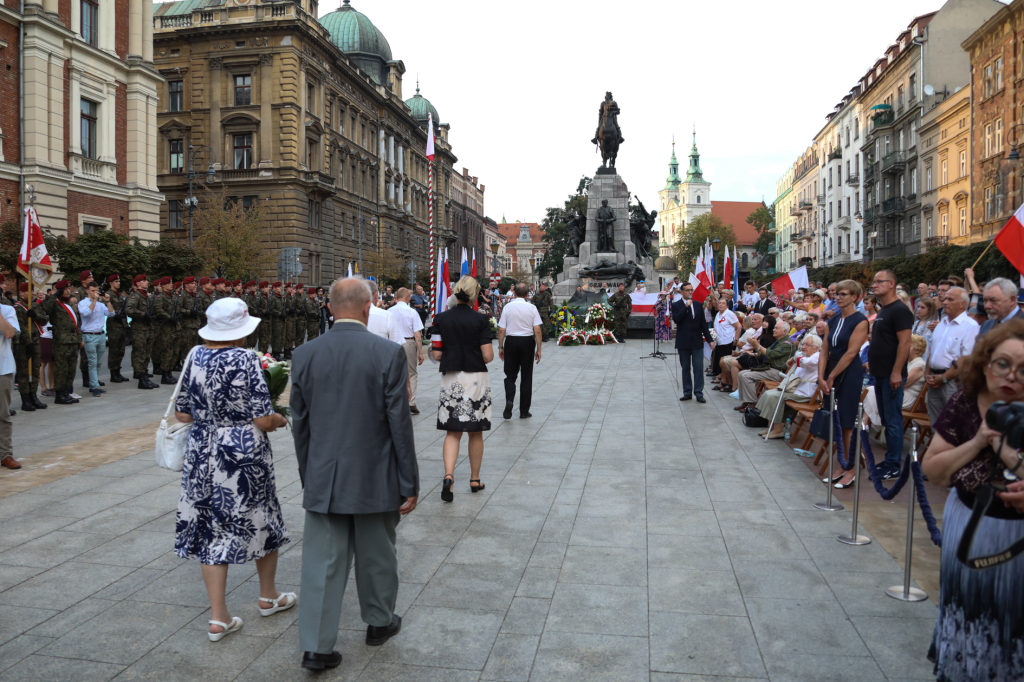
622	304
26	348
250	302
188	315
263	331
164	350
139	309
289	323
299	303
277	324
67	341
203	301
312	318
117	328
544	303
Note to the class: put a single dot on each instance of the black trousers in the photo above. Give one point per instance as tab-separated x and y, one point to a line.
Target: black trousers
519	352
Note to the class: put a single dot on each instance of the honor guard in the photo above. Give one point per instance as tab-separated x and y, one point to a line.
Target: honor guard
188	313
277	319
312	314
250	303
166	326
542	299
263	312
140	310
67	339
289	320
27	350
622	304
117	328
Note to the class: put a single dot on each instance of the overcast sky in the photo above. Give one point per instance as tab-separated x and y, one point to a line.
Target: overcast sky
520	84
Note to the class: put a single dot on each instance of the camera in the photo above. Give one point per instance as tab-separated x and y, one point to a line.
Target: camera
1007	419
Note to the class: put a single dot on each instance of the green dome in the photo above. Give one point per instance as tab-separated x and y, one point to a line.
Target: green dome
359	39
421	106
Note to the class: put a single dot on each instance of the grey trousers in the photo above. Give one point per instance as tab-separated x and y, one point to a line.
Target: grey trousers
749	379
329	543
6	425
937	398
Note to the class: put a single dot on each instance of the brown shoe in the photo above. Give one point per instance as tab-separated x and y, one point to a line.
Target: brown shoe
414	409
10	462
742	407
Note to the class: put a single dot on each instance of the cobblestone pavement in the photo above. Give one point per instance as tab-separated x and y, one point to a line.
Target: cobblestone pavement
623	535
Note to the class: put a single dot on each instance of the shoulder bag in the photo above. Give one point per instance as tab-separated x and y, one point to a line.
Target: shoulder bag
172	437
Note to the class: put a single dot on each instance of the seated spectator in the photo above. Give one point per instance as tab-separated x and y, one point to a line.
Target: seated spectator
799	387
772	364
743	357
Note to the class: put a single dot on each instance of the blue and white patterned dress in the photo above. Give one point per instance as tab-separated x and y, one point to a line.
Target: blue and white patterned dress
228	512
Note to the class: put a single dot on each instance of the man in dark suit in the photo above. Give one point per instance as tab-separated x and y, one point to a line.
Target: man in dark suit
1000	297
691	332
357	463
764	304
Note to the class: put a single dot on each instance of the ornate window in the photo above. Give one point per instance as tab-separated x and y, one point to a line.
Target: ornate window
90	21
175	215
243	150
175	95
89	114
177	156
243	90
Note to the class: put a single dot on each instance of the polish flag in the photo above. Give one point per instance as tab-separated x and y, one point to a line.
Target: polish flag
476	301
33	254
442	283
702	271
430	137
727	271
793	280
1010	240
700	283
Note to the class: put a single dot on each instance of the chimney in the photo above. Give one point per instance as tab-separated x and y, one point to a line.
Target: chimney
395	70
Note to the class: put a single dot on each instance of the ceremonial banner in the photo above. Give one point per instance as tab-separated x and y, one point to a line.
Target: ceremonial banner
790	281
33	259
1010	240
643	304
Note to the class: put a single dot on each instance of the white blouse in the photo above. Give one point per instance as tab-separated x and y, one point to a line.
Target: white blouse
807	372
725	327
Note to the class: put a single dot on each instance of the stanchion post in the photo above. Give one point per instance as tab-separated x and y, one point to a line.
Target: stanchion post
853	538
906	592
828	504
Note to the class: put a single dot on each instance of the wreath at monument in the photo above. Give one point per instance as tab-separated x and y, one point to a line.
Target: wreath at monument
597	325
572	337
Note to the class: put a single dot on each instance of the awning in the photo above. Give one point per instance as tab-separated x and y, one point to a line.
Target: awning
881	106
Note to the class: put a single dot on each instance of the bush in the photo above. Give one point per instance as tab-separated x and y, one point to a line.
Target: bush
939	263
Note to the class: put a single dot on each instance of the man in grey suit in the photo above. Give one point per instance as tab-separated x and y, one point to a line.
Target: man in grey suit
357	462
1000	298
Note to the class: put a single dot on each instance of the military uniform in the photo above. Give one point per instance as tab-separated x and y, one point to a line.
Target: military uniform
166	327
250	302
544	303
26	350
299	304
117	331
203	301
622	304
80	294
277	319
263	330
67	342
189	315
289	324
139	308
312	318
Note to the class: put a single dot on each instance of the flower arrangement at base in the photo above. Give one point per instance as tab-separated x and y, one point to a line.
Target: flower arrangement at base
598	329
276	374
597	315
600	337
572	337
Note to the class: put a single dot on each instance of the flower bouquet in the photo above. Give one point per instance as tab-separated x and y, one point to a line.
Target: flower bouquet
571	337
597	315
276	373
494	327
600	337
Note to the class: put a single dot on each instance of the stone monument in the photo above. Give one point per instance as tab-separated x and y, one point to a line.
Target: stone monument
606	252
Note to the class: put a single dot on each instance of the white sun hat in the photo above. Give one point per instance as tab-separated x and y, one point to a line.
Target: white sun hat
228	320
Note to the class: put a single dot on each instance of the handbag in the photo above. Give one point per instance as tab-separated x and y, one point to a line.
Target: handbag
821	423
172	438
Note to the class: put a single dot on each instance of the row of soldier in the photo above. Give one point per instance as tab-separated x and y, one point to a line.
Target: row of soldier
163	325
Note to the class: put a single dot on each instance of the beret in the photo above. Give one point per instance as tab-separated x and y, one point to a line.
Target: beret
23	286
63	284
236	282
264	284
85	274
114	278
188	280
138	278
204	280
277	285
177	285
311	290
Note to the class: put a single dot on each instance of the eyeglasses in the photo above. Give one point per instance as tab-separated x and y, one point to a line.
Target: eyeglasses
881	281
843	293
1001	368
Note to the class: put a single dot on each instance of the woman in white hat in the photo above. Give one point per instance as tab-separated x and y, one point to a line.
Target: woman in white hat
228	512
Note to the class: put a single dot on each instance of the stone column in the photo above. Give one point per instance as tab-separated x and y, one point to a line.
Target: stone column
381	189
216	136
56	127
135	28
75	110
266	113
301	132
147	31
391	151
51	7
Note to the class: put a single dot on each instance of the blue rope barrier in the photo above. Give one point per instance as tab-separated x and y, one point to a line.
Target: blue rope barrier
837	433
926	507
869	456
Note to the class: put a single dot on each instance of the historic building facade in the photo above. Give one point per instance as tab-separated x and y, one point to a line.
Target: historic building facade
524	241
804	211
492	236
946	171
79	115
839	219
306	117
785	222
468	212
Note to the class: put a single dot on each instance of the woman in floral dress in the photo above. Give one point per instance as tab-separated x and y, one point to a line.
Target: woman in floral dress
228	511
663	317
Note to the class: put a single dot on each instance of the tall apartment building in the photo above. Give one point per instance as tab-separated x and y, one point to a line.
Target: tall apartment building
785	222
805	210
78	121
945	144
468	211
839	184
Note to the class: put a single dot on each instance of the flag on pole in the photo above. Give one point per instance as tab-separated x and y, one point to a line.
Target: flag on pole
474	262
430	208
709	263
699	281
33	254
701	271
1010	239
349	270
464	264
727	270
790	281
430	136
441	293
735	277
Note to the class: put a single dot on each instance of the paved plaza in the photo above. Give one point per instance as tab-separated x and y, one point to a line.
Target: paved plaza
623	535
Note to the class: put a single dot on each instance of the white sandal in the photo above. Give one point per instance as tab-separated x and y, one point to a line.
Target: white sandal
290	600
234	626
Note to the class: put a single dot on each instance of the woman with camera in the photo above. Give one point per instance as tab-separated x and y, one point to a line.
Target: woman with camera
979	632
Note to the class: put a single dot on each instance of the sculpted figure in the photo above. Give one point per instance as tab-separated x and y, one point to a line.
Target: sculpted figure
609	135
605	220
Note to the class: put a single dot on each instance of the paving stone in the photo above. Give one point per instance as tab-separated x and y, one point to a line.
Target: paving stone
279	661
761	578
707	592
187	655
793	667
610	610
443	638
595	658
604	566
67	620
511	658
704	645
688	552
52	549
526	616
134	548
20	648
63	586
899	645
13	575
35	668
863	594
547	555
471	587
804	626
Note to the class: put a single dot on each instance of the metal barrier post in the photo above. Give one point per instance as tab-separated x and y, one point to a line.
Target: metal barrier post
906	592
853	538
828	504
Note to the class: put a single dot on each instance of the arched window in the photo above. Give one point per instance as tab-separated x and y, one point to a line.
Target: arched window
698	198
743	260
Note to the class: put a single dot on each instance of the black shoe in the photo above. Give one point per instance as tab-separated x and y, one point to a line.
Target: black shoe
146	383
116	378
177	368
313	661
700	399
12	411
525	415
26	404
507	414
168	379
39	404
686	397
64	398
888	474
446	489
375	636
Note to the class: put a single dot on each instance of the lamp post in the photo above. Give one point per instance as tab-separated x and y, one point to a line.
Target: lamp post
495	263
533	262
191	201
716	245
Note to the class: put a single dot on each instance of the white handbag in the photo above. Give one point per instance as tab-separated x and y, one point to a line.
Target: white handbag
172	438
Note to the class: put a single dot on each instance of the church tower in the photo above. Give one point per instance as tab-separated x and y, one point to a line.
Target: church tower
696	191
682	200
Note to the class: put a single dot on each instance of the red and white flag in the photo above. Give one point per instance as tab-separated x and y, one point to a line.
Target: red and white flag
790	281
1010	240
33	254
726	274
700	282
430	136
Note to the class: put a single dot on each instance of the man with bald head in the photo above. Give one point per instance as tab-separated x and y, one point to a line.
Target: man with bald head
359	473
952	340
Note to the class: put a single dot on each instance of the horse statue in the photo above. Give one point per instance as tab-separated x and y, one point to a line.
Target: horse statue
609	135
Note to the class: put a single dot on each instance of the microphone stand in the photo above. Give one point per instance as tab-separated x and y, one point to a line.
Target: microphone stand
656	341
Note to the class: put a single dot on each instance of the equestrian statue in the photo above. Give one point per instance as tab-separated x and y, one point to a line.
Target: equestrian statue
609	135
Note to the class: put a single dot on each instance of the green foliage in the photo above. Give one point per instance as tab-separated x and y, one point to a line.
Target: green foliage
11	236
505	284
168	258
762	220
231	238
104	253
938	263
703	228
557	233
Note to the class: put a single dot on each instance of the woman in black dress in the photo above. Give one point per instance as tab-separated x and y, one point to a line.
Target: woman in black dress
843	372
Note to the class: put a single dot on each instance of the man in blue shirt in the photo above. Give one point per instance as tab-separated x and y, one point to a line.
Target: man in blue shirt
94	311
419	303
832	305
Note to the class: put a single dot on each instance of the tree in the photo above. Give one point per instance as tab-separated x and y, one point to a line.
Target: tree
230	238
762	220
519	275
11	236
168	258
703	228
388	266
556	230
104	253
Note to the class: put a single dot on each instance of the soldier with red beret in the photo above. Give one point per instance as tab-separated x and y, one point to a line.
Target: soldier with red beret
312	315
289	319
140	309
263	312
164	330
67	339
236	289
189	316
277	318
27	348
117	329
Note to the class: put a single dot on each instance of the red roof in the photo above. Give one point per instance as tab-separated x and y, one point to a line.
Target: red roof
735	213
511	232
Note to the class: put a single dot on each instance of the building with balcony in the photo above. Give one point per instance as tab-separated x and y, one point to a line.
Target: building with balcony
919	70
839	181
996	72
468	212
78	121
946	171
307	116
524	241
785	221
806	188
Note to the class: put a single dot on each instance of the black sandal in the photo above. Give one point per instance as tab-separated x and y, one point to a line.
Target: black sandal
477	488
446	489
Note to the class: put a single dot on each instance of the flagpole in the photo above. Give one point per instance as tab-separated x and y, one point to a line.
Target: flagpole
990	243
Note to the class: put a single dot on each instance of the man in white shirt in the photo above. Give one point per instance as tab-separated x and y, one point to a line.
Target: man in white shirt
750	297
94	311
519	330
408	326
8	328
380	322
952	339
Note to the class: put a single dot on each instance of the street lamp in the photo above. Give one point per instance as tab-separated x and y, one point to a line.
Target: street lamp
495	263
191	201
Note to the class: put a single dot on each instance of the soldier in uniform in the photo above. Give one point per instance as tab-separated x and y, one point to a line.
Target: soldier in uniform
140	309
263	312
312	315
204	297
542	299
236	289
220	289
622	304
27	349
165	328
250	303
299	303
67	339
289	320
178	339
117	328
80	294
189	315
277	322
